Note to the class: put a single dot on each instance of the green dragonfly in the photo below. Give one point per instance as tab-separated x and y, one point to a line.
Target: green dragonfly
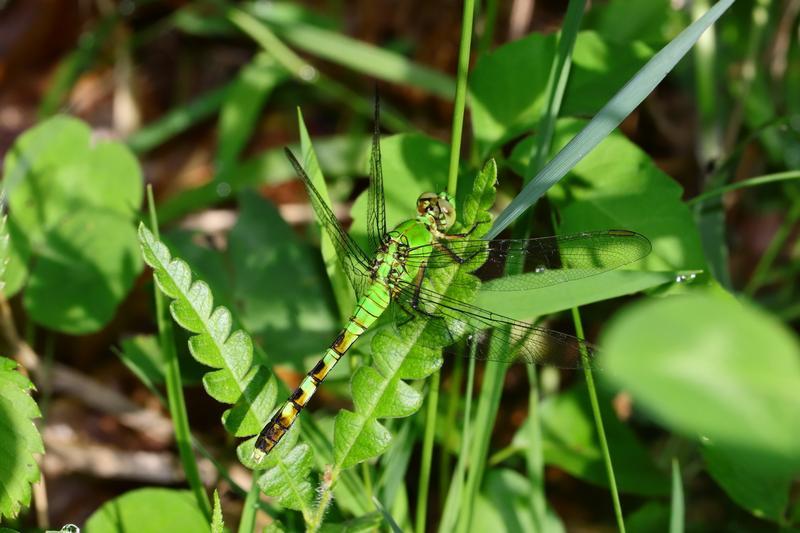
394	278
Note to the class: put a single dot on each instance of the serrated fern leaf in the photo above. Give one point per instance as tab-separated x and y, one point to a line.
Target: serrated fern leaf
379	391
250	388
19	440
217	524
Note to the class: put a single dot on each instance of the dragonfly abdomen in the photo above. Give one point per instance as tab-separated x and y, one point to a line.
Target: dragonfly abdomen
369	308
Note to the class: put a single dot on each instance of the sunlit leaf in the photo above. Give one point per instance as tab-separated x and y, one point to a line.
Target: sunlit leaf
19	440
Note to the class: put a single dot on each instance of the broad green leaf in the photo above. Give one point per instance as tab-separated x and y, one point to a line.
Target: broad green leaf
87	269
249	387
276	284
529	304
609	117
19	440
652	516
508	86
217	525
504	505
644	21
756	487
72	200
379	391
242	107
56	167
362	524
286	477
741	365
149	510
570	442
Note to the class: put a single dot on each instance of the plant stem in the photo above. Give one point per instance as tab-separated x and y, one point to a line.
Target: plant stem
248	520
177	405
461	95
750	182
324	500
427	452
773	249
453	502
676	514
534	456
598	420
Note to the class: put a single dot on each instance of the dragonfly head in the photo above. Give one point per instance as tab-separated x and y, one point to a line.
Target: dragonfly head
439	209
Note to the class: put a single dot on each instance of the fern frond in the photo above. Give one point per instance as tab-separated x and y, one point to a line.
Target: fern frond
250	388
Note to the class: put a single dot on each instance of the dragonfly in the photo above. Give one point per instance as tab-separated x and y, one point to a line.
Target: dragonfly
394	277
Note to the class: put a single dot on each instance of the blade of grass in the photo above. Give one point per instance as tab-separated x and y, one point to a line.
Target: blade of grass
247	522
750	182
307	73
773	249
427	453
177	120
676	514
609	117
453	503
598	420
351	53
177	405
75	64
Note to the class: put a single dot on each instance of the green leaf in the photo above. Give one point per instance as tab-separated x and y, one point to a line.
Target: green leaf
741	365
287	476
56	166
652	516
72	200
504	506
276	284
19	440
508	90
609	117
379	391
570	442
755	487
217	525
149	510
249	387
87	269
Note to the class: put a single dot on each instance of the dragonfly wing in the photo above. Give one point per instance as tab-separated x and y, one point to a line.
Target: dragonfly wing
539	262
450	320
354	261
376	207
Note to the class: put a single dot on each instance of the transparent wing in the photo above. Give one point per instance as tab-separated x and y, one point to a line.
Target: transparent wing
354	261
543	261
514	341
376	208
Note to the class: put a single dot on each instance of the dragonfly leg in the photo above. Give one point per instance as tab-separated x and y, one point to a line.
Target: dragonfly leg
461	235
454	256
417	308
